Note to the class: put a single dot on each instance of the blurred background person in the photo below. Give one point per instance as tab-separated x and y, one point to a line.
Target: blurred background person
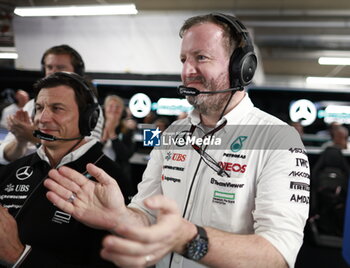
149	118
21	98
339	138
182	115
326	133
298	126
118	134
7	97
162	123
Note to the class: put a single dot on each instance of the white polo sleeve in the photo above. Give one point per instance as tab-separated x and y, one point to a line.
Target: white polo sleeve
282	199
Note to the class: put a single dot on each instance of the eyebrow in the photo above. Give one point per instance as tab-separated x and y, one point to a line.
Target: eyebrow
53	104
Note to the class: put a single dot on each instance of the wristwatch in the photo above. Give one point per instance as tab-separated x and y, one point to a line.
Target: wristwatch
197	248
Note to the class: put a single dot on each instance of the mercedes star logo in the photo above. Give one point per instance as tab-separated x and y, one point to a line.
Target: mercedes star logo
303	111
24	173
140	105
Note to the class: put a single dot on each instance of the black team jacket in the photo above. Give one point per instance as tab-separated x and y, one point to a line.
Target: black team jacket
56	238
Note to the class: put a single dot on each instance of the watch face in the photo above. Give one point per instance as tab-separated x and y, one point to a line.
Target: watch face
197	249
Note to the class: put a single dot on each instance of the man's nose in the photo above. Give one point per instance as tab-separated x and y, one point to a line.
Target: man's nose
45	115
188	68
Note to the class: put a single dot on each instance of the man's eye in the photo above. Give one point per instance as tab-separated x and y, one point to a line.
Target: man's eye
57	108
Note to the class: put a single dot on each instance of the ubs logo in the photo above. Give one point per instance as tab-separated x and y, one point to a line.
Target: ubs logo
175	157
24	173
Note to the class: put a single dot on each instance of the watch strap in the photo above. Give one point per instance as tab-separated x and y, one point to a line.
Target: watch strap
197	248
202	232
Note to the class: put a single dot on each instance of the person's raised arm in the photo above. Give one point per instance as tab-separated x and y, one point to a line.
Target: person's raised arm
22	128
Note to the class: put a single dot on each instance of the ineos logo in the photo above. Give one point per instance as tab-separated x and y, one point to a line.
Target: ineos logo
24	173
235	167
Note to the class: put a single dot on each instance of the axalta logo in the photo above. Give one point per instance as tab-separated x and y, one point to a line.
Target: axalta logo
235	167
237	144
176	157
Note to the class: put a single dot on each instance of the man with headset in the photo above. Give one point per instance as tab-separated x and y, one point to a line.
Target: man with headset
20	140
240	201
33	232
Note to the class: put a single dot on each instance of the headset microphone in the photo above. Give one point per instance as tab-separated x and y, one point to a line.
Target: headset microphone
191	91
47	137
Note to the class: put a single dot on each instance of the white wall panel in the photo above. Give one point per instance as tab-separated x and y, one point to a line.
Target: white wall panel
144	43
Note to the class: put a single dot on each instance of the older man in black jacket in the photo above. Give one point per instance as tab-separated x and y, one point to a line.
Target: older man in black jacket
33	232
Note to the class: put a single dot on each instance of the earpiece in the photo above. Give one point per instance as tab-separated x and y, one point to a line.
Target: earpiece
243	61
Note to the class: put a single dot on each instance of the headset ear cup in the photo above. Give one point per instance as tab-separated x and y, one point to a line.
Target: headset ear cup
88	120
248	66
243	61
234	68
242	67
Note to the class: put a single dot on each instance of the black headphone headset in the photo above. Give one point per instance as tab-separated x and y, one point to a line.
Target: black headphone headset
243	61
88	118
77	62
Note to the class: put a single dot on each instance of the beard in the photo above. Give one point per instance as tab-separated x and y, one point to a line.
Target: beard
207	104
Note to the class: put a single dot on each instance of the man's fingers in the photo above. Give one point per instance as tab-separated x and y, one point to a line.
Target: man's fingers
72	175
99	174
80	179
162	203
72	184
126	246
157	232
127	253
58	189
59	202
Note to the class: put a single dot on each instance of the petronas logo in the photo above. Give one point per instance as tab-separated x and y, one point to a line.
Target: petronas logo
237	144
